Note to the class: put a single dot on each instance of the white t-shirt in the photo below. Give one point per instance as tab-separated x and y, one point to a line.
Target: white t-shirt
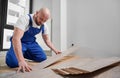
23	24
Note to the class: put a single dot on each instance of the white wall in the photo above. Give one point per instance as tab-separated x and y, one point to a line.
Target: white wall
95	26
37	4
56	23
63	21
59	25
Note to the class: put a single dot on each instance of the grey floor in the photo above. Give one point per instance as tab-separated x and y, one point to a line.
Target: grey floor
2	58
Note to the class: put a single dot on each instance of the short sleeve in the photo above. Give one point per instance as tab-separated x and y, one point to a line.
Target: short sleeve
46	30
22	22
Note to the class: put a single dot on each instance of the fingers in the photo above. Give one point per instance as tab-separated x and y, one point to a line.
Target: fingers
58	53
24	68
28	68
19	69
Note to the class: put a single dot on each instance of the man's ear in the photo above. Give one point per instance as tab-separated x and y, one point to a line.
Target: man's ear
36	13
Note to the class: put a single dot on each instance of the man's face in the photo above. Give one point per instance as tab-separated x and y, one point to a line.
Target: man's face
40	19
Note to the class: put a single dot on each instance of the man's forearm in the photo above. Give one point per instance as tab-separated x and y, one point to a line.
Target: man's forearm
18	49
50	45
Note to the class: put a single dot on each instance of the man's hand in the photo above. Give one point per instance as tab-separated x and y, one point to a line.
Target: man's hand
58	52
23	66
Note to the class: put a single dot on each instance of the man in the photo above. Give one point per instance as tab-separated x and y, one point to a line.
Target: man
23	44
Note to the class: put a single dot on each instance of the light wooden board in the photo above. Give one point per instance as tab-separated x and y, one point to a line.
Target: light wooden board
74	62
98	64
44	73
55	58
81	66
109	72
6	69
114	72
65	59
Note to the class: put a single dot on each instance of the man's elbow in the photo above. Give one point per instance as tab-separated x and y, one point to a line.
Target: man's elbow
15	40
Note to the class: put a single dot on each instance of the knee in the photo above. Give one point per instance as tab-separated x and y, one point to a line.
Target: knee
11	62
43	58
40	59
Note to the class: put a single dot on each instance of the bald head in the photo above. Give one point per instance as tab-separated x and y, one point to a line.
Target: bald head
45	12
41	16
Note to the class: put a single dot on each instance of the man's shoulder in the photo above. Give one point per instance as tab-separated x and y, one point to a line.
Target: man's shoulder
24	17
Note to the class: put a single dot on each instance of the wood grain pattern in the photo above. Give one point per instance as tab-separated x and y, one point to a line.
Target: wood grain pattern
44	73
86	66
55	58
98	64
74	62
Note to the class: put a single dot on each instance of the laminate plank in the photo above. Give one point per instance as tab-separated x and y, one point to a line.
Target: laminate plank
55	58
87	66
98	64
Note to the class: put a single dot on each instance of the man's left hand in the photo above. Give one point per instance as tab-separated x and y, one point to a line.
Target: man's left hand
58	52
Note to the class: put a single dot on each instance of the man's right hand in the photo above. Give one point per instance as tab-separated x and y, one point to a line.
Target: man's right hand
23	66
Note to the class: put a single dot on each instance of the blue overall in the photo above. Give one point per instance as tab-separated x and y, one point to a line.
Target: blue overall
30	48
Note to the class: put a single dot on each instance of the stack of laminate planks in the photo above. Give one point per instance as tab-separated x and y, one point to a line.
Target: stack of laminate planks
84	65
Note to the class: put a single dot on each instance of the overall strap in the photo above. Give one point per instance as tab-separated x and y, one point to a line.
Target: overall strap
30	20
42	29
